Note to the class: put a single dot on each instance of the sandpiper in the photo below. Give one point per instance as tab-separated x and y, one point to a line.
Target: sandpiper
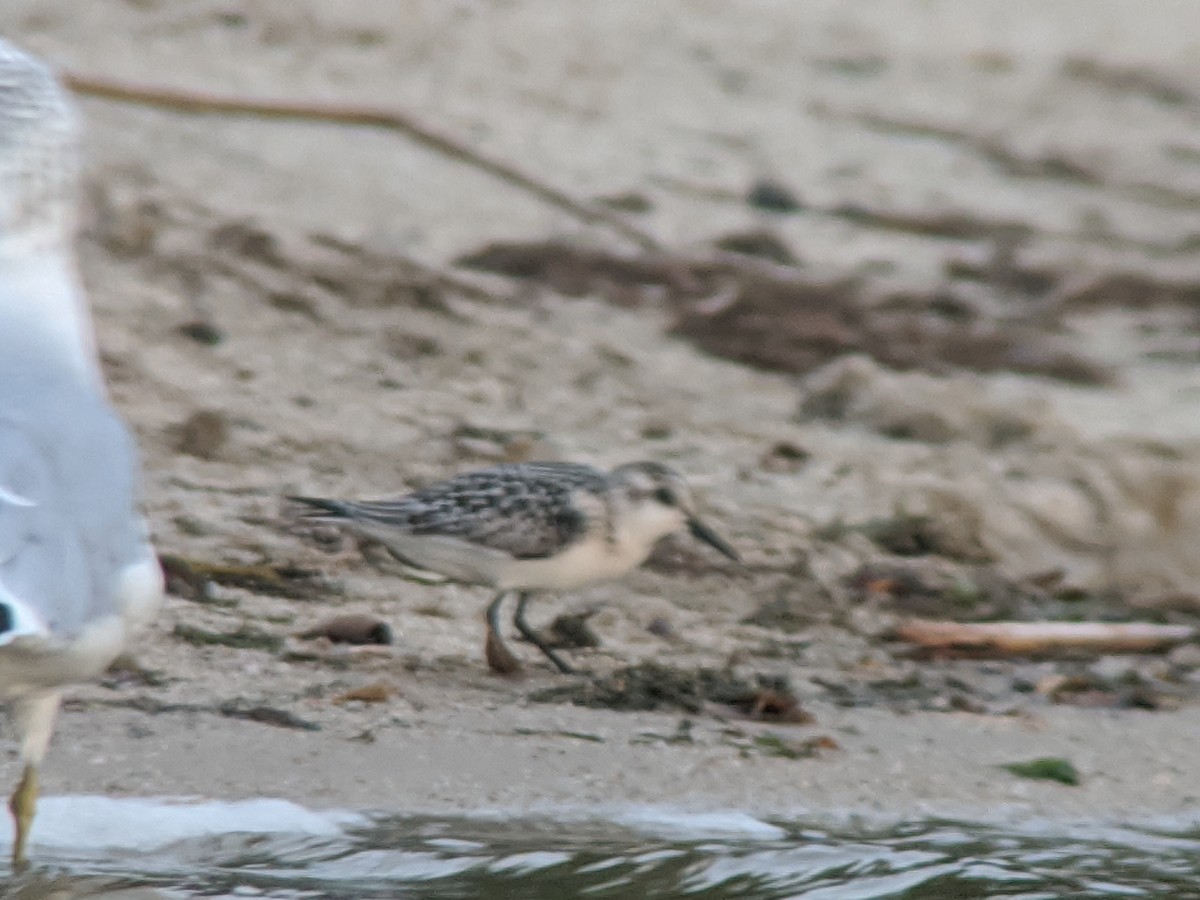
77	575
527	527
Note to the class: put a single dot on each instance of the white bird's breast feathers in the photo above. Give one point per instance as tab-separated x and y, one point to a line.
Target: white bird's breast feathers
32	658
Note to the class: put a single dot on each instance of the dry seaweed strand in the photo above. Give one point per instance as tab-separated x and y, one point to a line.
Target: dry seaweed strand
200	102
1022	638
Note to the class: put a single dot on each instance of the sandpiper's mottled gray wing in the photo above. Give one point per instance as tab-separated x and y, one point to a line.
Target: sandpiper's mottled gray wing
523	510
73	551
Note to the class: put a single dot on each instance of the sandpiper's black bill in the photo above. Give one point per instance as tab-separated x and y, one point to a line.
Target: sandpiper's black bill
710	537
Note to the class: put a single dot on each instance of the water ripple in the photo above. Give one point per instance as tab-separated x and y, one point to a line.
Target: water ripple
271	849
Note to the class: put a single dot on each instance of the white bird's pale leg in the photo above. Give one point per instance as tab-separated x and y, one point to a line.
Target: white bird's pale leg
33	715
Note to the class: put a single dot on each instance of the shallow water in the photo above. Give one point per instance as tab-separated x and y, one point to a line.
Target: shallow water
89	846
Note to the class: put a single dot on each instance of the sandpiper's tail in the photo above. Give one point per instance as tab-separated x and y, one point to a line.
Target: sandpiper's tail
319	509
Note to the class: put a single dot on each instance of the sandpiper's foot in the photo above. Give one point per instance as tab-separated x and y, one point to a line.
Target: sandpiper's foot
536	639
499	658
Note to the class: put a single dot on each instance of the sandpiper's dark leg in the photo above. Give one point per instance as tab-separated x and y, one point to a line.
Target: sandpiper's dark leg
493	612
499	658
533	637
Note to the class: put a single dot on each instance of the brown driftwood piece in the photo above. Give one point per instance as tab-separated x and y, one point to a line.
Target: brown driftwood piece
371	116
1020	638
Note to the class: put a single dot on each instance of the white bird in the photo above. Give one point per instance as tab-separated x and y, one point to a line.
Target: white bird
77	575
528	526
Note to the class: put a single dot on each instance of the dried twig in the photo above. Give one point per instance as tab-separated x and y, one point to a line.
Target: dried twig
1018	638
371	116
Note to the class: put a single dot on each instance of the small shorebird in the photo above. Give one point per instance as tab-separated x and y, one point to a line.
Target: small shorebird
527	527
76	572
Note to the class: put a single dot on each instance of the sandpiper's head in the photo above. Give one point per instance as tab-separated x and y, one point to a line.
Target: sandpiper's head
659	503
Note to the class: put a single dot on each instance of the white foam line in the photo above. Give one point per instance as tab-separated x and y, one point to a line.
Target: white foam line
139	825
698	825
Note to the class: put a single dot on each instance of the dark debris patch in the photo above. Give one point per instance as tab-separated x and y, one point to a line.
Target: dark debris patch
1006	273
942	586
627	201
784	457
1112	682
1130	290
202	332
246	239
761	243
682	736
305	275
862	612
799	601
911	535
351	628
125	671
244	638
571	631
574	270
189	578
773	196
678	557
652	686
780	318
1046	768
202	434
267	715
1129	80
773	745
644	687
950	225
573	735
230	709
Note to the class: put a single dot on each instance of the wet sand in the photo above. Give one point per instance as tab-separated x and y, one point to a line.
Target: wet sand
487	754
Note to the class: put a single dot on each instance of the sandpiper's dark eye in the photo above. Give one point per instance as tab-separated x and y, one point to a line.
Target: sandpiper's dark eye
665	496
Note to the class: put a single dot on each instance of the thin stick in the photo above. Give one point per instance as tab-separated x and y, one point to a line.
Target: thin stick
371	116
1020	638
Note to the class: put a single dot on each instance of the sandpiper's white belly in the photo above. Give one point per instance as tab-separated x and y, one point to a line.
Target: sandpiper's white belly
588	560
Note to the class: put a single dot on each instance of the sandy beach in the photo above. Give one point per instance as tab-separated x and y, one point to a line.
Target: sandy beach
282	309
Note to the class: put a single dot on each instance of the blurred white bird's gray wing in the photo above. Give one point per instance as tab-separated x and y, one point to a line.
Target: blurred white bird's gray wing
72	549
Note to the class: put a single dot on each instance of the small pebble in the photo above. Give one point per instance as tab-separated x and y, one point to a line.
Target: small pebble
1186	656
202	333
203	434
352	628
773	196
